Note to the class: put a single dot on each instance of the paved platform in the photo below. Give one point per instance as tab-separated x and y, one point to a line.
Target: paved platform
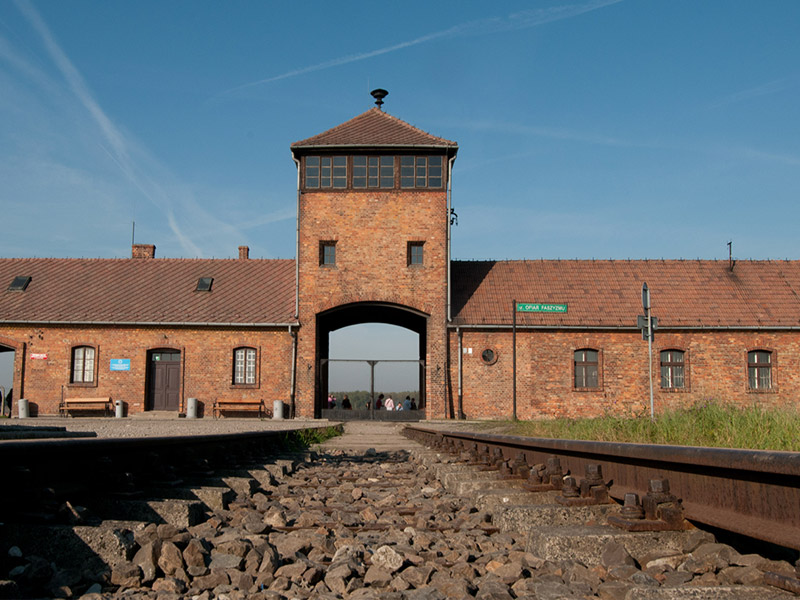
362	435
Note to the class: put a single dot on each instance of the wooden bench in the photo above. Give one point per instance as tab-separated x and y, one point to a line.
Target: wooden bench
221	406
68	404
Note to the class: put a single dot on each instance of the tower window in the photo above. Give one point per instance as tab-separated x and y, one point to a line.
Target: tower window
373	171
327	253
326	172
415	253
421	171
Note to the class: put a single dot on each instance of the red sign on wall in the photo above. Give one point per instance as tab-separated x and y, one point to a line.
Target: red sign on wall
41	356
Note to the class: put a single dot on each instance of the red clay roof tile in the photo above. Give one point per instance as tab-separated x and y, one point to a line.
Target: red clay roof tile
684	293
148	291
374	128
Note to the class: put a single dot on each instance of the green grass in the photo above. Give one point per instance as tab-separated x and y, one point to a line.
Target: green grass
708	424
301	439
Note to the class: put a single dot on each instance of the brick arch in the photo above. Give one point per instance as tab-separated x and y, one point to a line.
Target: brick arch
358	313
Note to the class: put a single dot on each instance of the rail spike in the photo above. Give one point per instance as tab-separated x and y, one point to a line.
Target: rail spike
592	490
659	511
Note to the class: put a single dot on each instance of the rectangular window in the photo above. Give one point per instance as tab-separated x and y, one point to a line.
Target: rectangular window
327	253
326	172
672	369
82	364
244	366
586	369
312	171
415	253
373	172
421	171
759	370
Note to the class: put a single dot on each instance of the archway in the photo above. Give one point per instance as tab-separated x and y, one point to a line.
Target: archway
7	356
361	313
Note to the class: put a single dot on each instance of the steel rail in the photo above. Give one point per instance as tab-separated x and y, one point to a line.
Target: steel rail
37	473
750	492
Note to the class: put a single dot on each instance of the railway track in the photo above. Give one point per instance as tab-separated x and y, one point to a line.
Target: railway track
238	516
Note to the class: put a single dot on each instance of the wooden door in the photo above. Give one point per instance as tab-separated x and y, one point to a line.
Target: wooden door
164	380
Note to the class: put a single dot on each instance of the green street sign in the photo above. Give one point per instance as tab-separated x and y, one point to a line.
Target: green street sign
538	307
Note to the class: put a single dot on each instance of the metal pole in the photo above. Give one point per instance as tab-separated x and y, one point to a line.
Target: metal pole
650	361
372	388
646	307
514	360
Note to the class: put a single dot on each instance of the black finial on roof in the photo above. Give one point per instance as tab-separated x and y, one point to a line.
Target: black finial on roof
379	95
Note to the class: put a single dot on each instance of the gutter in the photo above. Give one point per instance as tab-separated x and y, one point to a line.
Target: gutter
149	323
292	386
632	328
450	162
297	244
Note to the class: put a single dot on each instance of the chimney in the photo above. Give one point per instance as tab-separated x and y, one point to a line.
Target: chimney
143	251
244	252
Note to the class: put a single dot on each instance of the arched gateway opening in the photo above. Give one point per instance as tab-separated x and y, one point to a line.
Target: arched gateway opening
357	314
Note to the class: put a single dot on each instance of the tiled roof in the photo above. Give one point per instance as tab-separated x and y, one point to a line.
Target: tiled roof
684	293
153	290
374	128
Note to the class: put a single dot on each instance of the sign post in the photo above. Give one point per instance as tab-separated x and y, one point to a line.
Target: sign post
649	319
514	362
535	307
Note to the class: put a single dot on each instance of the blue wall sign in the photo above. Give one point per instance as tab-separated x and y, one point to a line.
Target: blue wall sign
120	364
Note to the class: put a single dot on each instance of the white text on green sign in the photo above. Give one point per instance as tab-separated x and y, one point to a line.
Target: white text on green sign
541	308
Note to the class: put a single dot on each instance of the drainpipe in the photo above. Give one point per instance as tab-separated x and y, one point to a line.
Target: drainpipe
450	162
297	246
447	290
460	335
293	333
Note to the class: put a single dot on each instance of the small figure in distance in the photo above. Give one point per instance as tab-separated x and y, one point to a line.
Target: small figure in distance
407	403
389	403
379	402
333	402
346	403
413	404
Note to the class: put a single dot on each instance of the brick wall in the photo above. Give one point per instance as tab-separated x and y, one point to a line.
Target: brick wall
716	370
371	230
206	362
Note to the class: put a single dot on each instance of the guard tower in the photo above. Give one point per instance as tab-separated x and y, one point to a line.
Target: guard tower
373	226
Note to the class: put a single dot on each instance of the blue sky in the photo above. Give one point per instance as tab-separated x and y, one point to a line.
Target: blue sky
587	129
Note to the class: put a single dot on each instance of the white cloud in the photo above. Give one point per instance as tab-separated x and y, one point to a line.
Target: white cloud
521	20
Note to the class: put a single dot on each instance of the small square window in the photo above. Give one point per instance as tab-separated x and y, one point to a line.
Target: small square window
327	253
204	284
415	253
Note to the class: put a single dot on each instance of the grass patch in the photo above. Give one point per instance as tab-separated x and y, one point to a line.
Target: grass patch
708	424
301	439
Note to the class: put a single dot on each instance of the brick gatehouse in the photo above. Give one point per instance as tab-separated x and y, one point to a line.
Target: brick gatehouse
373	245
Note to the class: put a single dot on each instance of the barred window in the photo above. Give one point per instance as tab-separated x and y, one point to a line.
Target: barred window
82	365
244	366
672	369
586	368
759	369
